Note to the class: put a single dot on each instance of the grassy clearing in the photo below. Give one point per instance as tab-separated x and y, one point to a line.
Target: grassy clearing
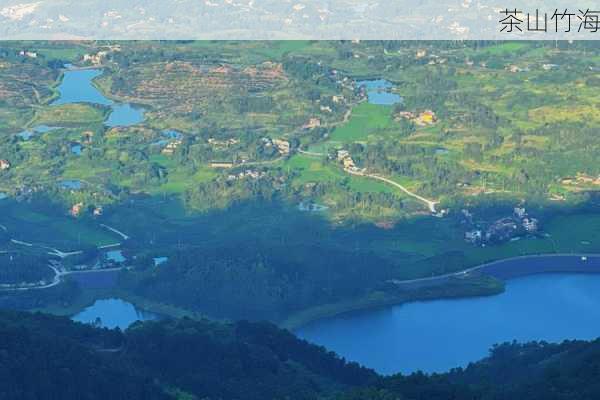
52	229
179	181
69	114
313	170
367	119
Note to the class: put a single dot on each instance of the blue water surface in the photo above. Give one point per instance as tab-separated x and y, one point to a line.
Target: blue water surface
113	313
435	336
379	92
77	87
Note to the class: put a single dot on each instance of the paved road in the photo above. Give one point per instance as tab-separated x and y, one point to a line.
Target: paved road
114	230
429	203
58	275
482	266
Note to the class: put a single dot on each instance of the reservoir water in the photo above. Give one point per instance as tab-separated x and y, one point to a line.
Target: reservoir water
379	92
77	87
113	313
435	336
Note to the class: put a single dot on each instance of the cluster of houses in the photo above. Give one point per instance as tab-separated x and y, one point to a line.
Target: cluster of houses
78	208
222	143
433	58
344	157
97	58
312	123
282	146
581	179
247	174
504	229
515	68
171	147
424	118
4	165
27	53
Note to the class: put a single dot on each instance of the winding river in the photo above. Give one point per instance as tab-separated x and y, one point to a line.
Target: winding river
560	301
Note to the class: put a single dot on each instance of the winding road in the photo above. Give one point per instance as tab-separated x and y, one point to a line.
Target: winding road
429	203
58	274
587	257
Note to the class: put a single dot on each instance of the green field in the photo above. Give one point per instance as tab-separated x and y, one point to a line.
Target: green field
367	120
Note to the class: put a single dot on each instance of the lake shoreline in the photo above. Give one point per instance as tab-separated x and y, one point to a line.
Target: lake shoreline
468	283
305	317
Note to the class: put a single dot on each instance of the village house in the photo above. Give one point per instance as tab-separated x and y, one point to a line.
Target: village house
549	67
520	212
76	210
344	157
171	147
581	179
342	154
30	54
530	224
349	163
427	117
312	123
252	174
4	165
405	115
218	164
501	230
474	236
95	59
282	145
222	143
424	118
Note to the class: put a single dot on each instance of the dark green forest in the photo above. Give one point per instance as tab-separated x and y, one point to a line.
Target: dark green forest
279	279
48	357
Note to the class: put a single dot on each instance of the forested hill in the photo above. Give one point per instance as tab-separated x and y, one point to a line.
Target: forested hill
533	371
46	357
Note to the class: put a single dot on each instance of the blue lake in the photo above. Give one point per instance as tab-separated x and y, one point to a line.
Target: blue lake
113	313
125	115
436	336
77	87
379	92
